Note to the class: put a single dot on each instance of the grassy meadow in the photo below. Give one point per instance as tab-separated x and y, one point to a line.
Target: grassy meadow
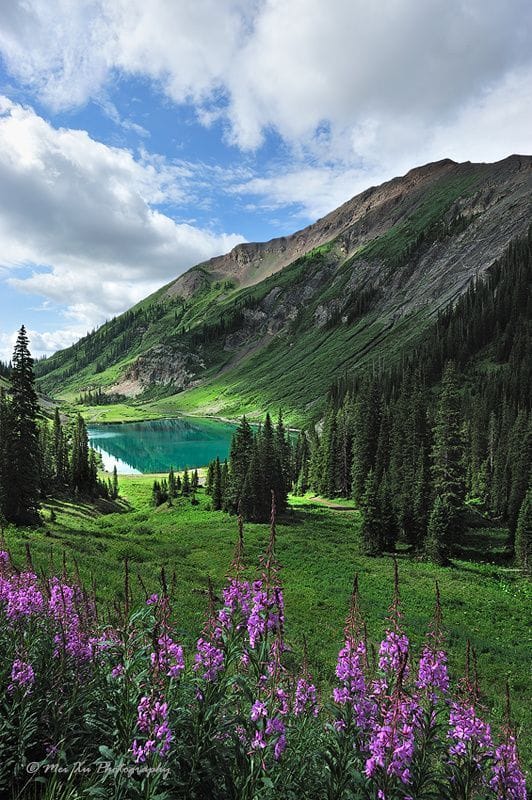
318	547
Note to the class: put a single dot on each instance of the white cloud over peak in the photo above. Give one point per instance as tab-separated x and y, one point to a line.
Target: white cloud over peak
283	64
85	215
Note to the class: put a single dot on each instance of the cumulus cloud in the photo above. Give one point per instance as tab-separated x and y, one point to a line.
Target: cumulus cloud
358	91
86	216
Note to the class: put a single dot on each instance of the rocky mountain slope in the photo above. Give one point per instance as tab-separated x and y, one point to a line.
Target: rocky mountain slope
274	323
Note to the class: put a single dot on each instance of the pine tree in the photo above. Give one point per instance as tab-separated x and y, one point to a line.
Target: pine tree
210	477
302	463
7	498
24	483
185	490
523	535
329	450
366	426
114	485
217	495
239	462
172	486
272	478
80	468
60	454
282	444
440	530
195	481
448	456
372	529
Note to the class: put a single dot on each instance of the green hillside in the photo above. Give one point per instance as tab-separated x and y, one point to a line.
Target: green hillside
221	346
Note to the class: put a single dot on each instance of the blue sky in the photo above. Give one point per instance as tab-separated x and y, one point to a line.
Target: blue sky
138	137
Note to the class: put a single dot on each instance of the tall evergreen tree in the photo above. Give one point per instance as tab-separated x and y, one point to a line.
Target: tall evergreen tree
239	462
523	535
185	488
372	528
24	482
448	456
80	467
439	531
217	490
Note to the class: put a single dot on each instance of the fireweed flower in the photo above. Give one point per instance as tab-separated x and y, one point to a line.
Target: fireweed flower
468	732
169	657
152	600
152	720
22	675
392	742
432	672
393	653
305	701
117	671
508	781
237	603
352	691
208	658
267	611
23	596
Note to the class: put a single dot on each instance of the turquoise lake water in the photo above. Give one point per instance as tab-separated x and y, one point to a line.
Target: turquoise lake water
157	445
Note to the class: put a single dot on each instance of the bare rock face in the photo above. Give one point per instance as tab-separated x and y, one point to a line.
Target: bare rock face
162	365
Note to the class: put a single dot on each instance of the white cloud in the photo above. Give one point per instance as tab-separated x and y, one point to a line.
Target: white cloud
359	91
86	216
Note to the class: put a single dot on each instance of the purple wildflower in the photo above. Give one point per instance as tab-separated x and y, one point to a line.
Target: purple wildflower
24	598
169	657
392	742
117	671
208	658
393	653
152	600
258	709
152	720
22	675
305	698
432	674
467	729
508	781
267	612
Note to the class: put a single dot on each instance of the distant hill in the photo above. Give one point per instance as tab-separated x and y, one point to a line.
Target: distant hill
276	323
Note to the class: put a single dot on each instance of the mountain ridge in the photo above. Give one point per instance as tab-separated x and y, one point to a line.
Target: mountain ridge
356	285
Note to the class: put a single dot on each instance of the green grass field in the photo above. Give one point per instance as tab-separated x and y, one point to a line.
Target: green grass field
318	547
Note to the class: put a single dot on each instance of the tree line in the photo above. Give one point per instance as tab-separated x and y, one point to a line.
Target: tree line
40	457
449	422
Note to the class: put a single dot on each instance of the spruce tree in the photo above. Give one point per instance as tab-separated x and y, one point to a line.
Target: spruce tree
372	528
24	482
448	457
523	535
329	450
217	494
282	444
114	484
210	477
80	468
60	454
439	531
185	489
239	462
172	486
195	481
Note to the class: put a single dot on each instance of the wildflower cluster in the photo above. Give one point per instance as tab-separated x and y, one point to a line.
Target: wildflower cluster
232	717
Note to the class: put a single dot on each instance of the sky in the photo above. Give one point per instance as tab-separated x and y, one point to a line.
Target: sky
140	137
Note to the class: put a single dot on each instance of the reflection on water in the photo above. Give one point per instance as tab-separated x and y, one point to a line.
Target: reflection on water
157	445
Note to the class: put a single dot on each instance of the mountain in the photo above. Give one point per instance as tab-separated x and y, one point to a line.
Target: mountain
275	323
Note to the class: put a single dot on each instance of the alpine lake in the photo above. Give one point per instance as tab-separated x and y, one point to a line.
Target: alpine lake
156	445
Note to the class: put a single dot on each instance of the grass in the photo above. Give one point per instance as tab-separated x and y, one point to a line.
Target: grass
318	548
